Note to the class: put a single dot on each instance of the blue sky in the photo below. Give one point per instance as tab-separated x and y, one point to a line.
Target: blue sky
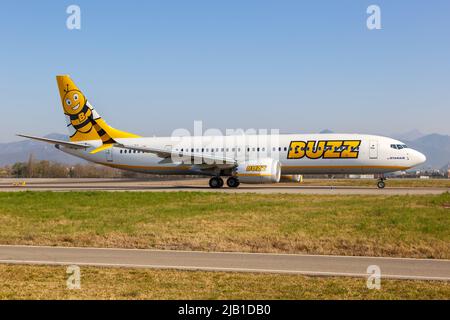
301	66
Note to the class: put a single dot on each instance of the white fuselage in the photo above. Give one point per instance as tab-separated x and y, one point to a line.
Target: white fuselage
326	154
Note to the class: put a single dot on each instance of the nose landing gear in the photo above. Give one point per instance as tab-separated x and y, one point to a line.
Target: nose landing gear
381	184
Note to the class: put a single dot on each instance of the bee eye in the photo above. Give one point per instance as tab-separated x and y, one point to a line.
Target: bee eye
68	102
75	97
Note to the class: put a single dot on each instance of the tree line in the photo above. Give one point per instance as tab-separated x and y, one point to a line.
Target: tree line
49	169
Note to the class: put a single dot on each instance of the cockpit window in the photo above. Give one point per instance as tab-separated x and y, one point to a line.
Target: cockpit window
399	146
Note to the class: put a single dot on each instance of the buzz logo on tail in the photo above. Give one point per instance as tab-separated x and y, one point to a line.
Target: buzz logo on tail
83	122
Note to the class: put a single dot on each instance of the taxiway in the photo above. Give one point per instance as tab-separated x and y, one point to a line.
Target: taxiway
315	265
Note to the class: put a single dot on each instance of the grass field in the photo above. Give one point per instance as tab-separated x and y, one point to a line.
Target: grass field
403	226
49	282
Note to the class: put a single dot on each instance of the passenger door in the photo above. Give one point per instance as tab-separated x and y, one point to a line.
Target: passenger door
373	149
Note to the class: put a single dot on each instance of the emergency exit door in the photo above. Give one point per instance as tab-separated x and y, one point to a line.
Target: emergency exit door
109	154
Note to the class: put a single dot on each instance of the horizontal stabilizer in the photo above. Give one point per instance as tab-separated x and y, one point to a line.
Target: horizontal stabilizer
57	142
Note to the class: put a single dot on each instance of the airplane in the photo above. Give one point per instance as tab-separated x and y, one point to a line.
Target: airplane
241	158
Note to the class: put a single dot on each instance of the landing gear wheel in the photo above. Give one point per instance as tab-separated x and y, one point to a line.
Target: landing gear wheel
381	184
216	182
233	182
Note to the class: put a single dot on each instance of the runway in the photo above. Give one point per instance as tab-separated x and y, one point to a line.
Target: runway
314	265
199	185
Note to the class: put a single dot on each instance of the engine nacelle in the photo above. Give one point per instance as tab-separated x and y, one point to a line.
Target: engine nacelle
291	178
259	171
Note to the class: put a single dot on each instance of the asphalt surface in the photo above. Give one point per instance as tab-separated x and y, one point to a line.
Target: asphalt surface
396	268
199	185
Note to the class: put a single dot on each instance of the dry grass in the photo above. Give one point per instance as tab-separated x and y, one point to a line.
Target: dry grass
49	282
406	226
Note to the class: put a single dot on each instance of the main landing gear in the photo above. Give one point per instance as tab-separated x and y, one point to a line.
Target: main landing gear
381	184
217	182
233	182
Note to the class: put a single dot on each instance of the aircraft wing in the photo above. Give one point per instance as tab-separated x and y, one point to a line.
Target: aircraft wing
194	158
57	142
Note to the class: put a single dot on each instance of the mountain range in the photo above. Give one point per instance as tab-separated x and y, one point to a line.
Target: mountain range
435	146
20	151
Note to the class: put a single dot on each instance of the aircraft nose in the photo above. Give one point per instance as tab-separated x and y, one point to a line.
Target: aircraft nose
418	158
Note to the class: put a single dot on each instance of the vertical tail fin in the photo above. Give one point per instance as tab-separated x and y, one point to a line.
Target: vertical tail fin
83	122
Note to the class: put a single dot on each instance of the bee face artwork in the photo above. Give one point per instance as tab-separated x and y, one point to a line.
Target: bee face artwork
75	106
73	102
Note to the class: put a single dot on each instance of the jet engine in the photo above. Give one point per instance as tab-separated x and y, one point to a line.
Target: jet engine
259	171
